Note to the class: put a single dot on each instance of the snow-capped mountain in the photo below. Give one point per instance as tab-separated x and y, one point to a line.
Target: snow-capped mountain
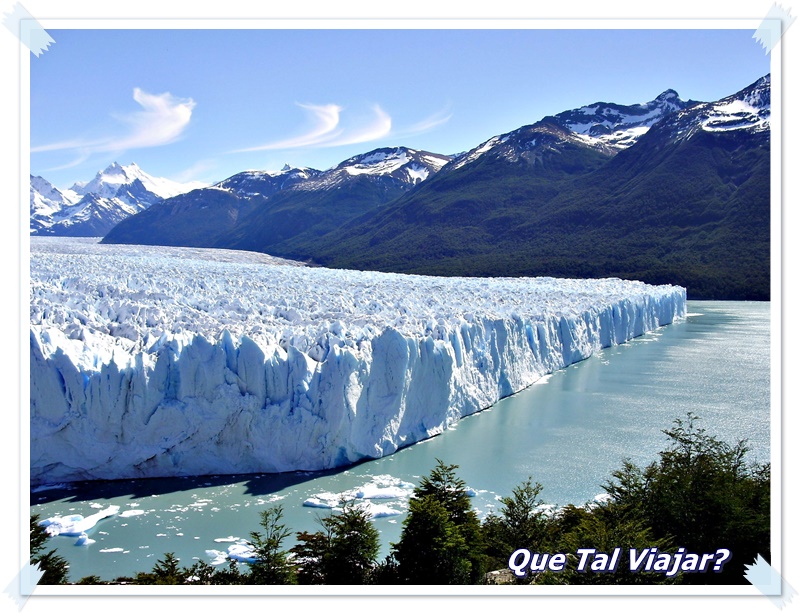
745	111
529	144
111	179
399	165
620	126
260	209
604	126
46	201
94	207
248	184
688	202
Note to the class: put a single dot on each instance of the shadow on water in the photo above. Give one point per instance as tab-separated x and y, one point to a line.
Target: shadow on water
260	484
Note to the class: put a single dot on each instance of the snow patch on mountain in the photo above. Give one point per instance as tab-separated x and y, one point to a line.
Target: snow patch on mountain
737	114
476	153
377	164
619	126
93	208
108	181
400	164
148	361
748	110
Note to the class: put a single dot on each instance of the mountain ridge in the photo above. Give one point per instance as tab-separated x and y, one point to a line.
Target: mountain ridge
688	203
94	207
600	190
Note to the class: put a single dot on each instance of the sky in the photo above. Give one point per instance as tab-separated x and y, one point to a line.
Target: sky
202	105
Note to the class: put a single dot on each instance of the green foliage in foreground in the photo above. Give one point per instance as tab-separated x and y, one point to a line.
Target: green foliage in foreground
55	567
702	495
699	495
345	552
442	541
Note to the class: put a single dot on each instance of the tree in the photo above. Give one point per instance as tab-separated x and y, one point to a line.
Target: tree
271	565
442	541
353	548
522	523
165	571
345	552
603	528
702	495
55	567
431	549
309	555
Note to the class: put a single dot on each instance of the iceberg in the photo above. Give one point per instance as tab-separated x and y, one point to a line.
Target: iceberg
76	525
158	362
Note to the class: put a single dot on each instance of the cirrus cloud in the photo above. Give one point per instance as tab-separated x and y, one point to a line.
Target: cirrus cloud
161	120
326	129
325	119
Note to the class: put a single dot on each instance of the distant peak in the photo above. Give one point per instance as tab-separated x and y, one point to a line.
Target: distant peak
286	167
667	95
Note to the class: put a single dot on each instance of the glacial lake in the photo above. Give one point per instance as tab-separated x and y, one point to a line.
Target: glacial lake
569	432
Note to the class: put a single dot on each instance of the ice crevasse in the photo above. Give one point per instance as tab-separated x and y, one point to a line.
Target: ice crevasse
152	362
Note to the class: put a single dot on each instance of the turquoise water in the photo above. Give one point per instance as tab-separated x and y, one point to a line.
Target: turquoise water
568	432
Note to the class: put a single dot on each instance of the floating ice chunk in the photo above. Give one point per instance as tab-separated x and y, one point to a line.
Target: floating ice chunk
218	557
242	552
320	502
230	538
74	525
84	540
111	550
130	513
379	510
373	491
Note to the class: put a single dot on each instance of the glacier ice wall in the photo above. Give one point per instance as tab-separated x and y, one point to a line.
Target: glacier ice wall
152	362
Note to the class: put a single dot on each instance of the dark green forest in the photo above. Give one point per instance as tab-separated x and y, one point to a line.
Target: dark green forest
694	213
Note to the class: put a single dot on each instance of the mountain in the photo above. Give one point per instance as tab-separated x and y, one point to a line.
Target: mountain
620	126
602	126
94	207
46	201
685	201
269	211
287	212
668	191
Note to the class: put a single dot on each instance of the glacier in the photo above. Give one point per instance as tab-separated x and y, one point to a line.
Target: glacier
153	361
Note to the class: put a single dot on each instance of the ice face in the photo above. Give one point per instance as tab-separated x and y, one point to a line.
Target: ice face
154	362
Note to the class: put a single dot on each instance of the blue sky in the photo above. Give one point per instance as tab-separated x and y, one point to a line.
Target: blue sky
205	104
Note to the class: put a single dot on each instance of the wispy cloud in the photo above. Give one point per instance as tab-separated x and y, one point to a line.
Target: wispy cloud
77	161
162	120
380	126
196	171
429	123
327	129
325	119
